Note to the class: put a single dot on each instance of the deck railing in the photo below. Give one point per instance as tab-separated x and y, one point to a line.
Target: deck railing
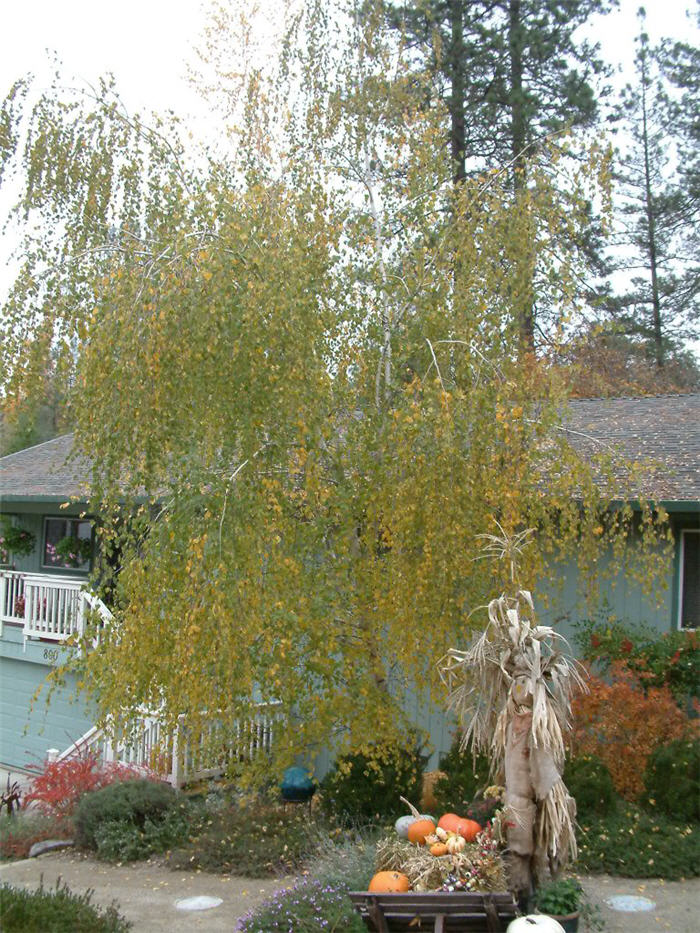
174	757
47	607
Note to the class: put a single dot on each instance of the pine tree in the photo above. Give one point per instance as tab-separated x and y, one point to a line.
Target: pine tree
680	64
658	210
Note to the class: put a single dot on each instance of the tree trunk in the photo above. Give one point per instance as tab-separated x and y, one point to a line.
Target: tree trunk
457	64
651	228
525	304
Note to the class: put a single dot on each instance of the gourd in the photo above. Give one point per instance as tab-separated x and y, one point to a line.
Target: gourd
540	922
439	848
402	824
456	844
448	822
469	829
390	882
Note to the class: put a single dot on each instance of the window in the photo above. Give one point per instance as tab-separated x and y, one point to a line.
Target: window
67	543
689	584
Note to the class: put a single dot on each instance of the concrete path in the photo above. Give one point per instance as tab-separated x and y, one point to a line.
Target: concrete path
146	893
677	903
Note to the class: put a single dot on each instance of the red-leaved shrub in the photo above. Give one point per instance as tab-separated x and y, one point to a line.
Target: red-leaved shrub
58	787
622	723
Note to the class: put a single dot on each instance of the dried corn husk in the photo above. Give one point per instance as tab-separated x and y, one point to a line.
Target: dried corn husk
512	691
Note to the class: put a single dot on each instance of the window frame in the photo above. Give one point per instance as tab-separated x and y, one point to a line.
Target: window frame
681	579
86	568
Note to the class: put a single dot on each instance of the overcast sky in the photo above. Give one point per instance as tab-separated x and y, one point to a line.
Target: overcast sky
146	43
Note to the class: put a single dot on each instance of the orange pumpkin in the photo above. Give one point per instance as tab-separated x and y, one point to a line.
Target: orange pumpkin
449	822
439	848
468	829
389	882
419	829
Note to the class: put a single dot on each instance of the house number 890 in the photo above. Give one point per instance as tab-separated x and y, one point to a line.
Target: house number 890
50	654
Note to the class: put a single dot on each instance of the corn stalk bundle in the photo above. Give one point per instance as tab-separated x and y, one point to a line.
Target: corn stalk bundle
512	692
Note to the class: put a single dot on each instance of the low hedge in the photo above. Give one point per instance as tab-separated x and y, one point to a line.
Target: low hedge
56	911
637	844
135	803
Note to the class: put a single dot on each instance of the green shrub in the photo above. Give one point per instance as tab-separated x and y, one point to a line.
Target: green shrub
636	844
257	840
319	902
672	661
56	911
132	802
566	896
589	782
123	841
560	897
464	778
364	789
672	779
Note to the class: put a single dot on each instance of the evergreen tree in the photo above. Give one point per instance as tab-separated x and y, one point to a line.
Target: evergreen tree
657	210
680	63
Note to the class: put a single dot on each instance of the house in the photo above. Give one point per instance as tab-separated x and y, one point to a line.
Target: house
43	493
41	601
664	430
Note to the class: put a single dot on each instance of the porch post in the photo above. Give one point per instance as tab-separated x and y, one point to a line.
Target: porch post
175	774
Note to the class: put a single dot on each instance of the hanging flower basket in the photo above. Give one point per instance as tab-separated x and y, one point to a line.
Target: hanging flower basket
16	541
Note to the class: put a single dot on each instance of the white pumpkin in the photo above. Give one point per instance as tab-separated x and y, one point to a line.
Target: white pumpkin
403	822
537	923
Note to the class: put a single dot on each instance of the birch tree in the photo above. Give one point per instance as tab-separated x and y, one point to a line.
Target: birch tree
300	383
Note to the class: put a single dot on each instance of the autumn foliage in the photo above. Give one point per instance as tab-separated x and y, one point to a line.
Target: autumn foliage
60	784
622	722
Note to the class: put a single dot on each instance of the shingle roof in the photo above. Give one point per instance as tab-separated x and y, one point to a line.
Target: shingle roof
45	472
665	428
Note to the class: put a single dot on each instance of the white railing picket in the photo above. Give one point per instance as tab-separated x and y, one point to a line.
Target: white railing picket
183	762
47	607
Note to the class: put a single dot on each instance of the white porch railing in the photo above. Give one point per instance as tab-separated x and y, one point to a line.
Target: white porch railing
47	607
174	757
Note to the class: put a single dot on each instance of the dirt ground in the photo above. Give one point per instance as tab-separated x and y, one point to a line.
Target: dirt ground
147	894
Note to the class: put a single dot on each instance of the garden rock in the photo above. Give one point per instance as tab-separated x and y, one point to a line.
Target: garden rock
50	845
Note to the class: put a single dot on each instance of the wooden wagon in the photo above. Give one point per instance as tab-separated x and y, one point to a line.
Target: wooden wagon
441	912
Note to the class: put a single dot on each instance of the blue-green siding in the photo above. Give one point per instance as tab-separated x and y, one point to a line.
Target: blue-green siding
21	672
28	728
